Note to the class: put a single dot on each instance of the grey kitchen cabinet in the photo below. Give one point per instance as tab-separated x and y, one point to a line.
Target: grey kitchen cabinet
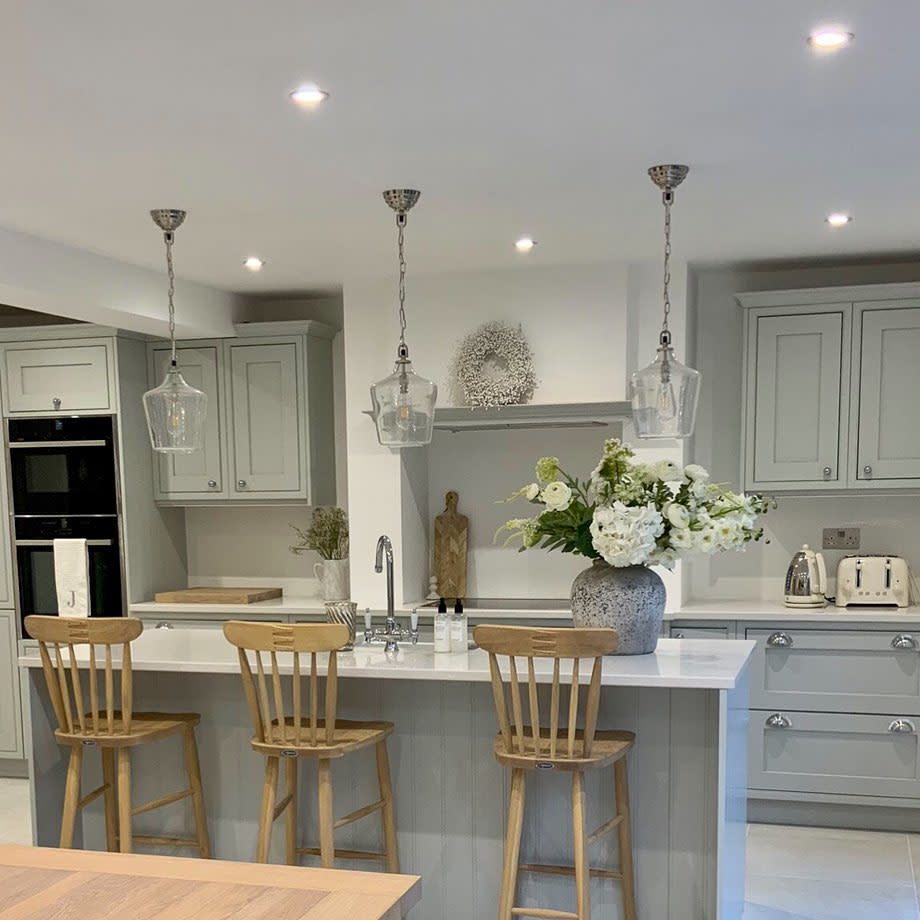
797	394
886	436
268	442
835	670
201	473
11	744
50	377
833	753
269	433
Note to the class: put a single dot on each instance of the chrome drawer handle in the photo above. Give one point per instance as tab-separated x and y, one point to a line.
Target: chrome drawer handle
778	720
677	635
163	625
904	641
902	727
780	640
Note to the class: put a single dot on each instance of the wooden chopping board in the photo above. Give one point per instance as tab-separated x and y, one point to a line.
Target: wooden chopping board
451	539
217	595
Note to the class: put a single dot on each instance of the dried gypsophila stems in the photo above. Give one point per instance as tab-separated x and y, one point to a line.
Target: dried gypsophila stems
509	381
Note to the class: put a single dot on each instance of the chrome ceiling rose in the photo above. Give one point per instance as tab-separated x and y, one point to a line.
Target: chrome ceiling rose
401	199
668	176
168	219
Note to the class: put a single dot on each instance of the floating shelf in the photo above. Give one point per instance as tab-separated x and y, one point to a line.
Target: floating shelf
564	415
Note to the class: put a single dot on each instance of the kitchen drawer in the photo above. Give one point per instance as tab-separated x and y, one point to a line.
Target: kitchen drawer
836	670
60	378
699	632
167	621
833	753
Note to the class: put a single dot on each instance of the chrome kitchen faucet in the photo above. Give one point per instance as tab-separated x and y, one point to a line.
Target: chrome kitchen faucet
393	631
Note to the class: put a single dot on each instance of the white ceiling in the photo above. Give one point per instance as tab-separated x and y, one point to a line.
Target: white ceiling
511	116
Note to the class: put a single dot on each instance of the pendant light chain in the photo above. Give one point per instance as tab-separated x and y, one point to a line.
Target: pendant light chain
402	351
667	197
168	239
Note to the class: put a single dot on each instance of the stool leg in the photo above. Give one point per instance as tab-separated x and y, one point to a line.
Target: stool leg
579	835
71	795
512	843
124	800
110	799
387	813
621	779
326	840
268	807
290	773
193	769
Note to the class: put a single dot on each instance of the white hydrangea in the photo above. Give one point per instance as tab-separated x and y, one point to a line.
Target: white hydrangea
626	535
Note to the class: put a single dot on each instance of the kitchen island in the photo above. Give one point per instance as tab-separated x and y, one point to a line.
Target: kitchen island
687	704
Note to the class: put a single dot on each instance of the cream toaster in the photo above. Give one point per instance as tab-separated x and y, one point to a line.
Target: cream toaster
875	580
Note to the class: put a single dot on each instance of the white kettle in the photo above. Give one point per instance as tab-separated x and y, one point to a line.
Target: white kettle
806	579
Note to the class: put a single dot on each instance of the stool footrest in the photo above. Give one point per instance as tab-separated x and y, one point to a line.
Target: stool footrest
165	841
605	829
282	805
543	912
92	796
159	803
569	870
343	854
357	814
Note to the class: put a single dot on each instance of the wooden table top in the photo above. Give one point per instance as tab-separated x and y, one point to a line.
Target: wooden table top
51	884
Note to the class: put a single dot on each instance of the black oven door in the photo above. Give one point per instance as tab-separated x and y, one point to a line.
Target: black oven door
63	466
34	548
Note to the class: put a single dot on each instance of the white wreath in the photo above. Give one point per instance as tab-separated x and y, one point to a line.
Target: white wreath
493	367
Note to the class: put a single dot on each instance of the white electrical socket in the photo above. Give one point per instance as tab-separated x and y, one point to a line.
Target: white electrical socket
840	538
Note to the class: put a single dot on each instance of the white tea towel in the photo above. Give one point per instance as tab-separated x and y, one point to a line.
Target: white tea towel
71	577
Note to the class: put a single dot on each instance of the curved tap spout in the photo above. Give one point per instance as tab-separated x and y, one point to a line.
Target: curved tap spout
385	549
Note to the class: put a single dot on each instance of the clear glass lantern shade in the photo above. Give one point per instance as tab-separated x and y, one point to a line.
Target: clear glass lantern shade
175	415
664	397
404	408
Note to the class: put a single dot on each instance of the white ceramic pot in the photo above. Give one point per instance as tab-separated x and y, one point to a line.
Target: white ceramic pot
333	579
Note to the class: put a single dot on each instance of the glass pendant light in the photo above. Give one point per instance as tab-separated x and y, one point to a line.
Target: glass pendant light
403	403
175	411
665	394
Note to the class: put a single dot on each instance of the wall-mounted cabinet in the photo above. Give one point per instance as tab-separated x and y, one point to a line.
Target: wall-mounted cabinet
269	432
830	389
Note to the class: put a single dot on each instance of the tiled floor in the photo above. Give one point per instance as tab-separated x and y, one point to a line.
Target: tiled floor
794	873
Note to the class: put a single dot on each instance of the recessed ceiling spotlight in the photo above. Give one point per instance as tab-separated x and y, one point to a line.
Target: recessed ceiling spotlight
309	96
838	219
254	263
830	39
524	244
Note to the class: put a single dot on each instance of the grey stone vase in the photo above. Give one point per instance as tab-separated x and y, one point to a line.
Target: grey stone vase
629	600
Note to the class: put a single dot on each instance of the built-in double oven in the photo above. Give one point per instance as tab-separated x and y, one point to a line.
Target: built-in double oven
64	484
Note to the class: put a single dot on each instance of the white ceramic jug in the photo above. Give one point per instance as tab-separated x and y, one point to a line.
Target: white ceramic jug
333	579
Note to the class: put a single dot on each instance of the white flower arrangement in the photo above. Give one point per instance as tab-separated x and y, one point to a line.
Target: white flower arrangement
632	513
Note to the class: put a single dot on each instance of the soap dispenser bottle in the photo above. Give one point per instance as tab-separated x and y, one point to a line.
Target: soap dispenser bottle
442	628
458	639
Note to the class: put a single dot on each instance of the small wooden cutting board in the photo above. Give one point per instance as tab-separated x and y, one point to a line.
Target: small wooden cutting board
217	595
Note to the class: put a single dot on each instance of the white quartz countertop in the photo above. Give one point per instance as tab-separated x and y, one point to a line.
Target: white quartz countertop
279	606
677	663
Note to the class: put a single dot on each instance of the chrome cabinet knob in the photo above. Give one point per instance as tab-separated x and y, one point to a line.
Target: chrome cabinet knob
163	625
780	640
827	472
902	727
241	483
904	641
56	402
867	470
778	720
212	483
677	635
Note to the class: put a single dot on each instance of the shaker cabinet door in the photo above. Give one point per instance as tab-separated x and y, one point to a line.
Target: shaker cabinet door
11	746
888	442
795	394
199	474
267	416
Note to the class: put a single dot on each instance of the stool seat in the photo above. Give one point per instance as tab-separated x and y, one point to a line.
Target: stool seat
347	736
144	727
608	747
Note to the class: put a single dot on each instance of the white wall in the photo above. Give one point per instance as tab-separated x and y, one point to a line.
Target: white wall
887	524
588	326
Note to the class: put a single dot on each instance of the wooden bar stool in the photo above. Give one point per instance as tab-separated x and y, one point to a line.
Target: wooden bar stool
535	746
114	731
304	734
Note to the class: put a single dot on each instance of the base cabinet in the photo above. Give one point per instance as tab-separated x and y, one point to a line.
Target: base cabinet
11	746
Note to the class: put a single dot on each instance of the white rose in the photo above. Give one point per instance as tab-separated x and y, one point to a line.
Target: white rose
678	515
557	496
668	471
531	492
696	472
